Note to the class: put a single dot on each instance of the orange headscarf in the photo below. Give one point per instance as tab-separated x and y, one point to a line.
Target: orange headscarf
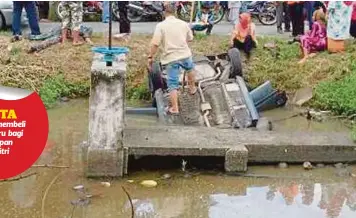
243	27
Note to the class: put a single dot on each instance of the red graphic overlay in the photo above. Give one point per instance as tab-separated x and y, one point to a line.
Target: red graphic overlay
23	134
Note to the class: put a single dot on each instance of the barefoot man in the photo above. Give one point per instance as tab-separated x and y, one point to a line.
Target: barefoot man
174	34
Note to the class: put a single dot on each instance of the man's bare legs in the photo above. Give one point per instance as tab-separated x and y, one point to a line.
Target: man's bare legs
191	82
64	35
174	93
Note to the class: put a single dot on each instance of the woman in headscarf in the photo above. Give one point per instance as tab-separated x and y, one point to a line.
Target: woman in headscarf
339	22
315	40
353	21
243	36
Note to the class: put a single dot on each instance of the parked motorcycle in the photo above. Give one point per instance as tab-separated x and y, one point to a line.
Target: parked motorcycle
184	10
89	8
141	10
264	11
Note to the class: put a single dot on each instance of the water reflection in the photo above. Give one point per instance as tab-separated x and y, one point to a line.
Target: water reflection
169	207
289	200
22	192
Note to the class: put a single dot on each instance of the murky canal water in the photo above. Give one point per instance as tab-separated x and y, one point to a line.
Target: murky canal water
291	192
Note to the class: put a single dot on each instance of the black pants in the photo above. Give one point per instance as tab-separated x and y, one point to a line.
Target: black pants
43	8
125	25
245	46
207	27
297	17
283	16
353	28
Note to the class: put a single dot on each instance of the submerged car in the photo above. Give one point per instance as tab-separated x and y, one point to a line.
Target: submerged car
223	99
6	11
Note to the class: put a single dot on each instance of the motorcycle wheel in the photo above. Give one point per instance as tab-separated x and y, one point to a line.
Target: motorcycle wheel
134	16
220	16
268	16
59	10
185	15
115	11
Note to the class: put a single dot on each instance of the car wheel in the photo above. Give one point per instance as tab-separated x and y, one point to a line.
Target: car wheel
235	60
2	21
155	80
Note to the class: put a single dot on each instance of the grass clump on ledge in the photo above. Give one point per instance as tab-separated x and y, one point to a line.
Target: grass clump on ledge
64	70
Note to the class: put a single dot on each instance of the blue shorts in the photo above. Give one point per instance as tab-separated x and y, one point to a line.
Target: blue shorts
173	71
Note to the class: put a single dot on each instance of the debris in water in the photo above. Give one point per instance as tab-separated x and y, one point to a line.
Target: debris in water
78	187
130	181
307	165
270	126
149	183
283	165
187	175
184	164
166	176
106	184
64	99
18	178
343	172
320	165
130	200
80	202
339	165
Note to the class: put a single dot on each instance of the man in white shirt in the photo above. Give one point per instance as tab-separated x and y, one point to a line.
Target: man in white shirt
173	35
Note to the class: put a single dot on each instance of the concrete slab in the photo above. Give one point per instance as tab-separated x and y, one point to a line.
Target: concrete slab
236	159
262	146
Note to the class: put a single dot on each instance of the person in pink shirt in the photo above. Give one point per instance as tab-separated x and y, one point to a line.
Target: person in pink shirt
353	21
315	40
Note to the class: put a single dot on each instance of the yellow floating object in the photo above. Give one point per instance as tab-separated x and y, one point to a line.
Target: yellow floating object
106	184
149	183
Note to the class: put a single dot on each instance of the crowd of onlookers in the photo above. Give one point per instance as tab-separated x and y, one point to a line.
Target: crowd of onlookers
330	23
71	21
